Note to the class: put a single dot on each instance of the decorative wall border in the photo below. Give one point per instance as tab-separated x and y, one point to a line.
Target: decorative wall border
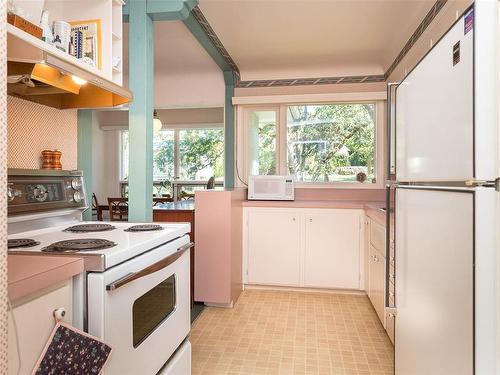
200	18
436	8
429	17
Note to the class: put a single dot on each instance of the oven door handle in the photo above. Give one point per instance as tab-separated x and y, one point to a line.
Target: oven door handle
165	262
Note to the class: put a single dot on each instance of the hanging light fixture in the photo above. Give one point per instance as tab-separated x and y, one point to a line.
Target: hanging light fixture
156	122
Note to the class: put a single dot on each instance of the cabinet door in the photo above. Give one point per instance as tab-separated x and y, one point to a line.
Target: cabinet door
332	250
376	290
273	248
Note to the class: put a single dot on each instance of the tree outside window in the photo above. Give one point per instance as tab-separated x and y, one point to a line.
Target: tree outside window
335	142
200	156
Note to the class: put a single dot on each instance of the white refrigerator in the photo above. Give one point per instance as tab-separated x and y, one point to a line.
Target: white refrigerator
445	198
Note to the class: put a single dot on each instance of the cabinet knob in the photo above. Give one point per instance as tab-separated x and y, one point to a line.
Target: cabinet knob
310	220
293	219
59	313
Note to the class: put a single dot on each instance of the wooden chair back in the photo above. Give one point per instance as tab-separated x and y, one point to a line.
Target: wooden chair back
96	210
118	209
160	200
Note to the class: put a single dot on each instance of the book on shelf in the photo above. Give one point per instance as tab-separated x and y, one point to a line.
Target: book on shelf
86	41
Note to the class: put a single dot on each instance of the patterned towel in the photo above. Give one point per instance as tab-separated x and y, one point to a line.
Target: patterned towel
70	351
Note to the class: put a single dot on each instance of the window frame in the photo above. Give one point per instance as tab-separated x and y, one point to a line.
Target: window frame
242	140
176	130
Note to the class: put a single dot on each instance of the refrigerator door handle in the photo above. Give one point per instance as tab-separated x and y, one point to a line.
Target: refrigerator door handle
390	185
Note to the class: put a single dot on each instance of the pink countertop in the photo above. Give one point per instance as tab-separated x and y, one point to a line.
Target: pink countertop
28	274
374	211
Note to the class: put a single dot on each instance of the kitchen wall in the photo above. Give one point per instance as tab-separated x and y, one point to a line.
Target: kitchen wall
319	89
34	127
3	192
105	162
438	27
106	138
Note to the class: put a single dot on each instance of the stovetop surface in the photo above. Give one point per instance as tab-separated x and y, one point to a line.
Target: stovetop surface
128	244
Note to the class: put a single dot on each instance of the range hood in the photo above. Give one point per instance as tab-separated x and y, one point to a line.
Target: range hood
41	73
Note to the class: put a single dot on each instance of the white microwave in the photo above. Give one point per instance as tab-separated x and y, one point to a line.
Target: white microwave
271	188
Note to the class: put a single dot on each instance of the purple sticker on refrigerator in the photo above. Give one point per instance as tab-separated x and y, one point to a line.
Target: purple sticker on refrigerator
469	21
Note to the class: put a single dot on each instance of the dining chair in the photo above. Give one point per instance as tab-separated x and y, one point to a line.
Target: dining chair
118	209
96	210
160	200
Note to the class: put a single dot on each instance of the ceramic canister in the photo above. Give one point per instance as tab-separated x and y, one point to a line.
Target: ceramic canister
62	35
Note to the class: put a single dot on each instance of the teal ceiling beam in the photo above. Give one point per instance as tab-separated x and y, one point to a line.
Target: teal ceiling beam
199	33
140	181
229	133
170	10
164	10
84	155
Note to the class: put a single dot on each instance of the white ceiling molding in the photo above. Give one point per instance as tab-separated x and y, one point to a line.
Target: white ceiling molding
311	98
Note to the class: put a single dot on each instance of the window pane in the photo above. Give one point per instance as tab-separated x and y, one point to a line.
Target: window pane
163	155
331	143
201	153
125	153
262	143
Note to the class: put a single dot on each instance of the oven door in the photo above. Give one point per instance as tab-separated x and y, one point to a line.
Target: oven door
141	308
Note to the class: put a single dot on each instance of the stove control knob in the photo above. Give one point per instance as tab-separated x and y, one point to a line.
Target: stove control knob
76	183
77	196
12	192
40	193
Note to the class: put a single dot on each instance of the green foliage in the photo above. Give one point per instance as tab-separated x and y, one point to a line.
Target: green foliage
200	149
326	142
267	148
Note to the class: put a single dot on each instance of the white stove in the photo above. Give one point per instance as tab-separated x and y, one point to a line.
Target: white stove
127	244
135	291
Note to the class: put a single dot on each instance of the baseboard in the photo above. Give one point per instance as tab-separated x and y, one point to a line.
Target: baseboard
304	289
223	305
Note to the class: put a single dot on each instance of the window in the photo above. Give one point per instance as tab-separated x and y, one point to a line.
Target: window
316	143
185	154
331	143
201	154
262	145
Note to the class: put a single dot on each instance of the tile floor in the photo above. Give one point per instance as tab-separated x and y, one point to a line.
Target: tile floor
277	332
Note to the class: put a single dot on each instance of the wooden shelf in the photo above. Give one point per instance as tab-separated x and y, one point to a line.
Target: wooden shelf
24	47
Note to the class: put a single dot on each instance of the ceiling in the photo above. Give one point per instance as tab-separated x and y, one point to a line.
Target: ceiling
176	50
278	39
185	75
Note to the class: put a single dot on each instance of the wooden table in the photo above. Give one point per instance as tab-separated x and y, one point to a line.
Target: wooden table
180	212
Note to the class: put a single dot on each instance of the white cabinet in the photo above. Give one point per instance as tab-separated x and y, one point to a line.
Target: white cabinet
274	247
376	281
376	274
34	322
332	250
317	248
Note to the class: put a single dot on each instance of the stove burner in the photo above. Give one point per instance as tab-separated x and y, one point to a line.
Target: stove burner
144	228
84	228
82	244
21	242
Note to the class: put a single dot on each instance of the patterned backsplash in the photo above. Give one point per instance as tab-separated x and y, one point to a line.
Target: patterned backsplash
34	127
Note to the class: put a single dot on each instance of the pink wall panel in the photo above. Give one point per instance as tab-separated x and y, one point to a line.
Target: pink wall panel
218	254
34	127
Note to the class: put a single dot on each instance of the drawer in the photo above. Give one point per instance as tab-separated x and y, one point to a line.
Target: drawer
377	236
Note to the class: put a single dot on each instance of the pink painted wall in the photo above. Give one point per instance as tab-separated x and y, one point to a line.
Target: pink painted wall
218	254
